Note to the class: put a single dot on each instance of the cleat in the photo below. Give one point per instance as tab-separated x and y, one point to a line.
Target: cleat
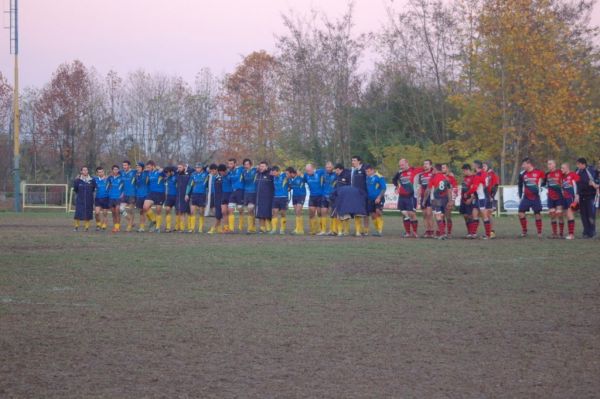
485	238
115	230
321	233
140	230
273	232
523	235
168	231
493	235
407	235
540	236
442	237
189	231
376	234
570	237
75	229
282	232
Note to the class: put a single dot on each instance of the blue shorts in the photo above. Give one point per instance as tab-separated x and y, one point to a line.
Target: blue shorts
299	200
326	203
156	198
481	204
280	203
129	200
567	202
170	201
466	209
225	198
527	204
237	197
139	202
438	205
407	204
101	202
426	203
553	204
249	198
372	206
198	200
114	202
315	201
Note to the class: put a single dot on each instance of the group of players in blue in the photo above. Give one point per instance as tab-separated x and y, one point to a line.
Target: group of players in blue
260	194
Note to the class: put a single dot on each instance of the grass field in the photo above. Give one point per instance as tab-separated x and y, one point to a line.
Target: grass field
178	316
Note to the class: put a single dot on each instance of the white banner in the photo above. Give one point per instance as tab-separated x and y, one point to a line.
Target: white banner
511	200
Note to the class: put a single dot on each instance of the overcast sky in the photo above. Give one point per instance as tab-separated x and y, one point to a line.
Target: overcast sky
173	36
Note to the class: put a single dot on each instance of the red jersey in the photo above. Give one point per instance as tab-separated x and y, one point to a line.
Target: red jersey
553	181
438	186
478	185
405	184
453	185
532	182
569	185
423	180
492	183
465	186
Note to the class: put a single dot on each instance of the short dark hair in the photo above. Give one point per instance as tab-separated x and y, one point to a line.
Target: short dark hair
127	162
212	166
115	166
290	170
369	167
526	160
275	168
338	166
222	168
150	163
247	160
466	166
99	168
358	158
428	160
478	163
438	167
232	160
582	160
264	163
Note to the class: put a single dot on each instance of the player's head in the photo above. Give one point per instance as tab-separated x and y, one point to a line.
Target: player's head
477	165
551	164
565	168
466	168
370	170
445	168
356	161
437	168
199	167
150	165
181	168
140	167
115	170
263	166
275	171
338	168
100	171
403	164
126	165
427	164
309	168
247	163
581	163
487	165
222	169
291	171
329	166
526	163
212	168
231	163
84	171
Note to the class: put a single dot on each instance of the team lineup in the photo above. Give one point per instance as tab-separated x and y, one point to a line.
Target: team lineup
261	195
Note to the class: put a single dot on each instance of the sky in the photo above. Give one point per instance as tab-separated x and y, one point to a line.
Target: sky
173	36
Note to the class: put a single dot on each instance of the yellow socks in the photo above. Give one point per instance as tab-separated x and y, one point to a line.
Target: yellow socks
168	220
358	224
283	224
158	219
299	225
241	222
346	226
192	223
323	225
86	224
231	221
268	224
333	225
151	215
76	224
200	223
274	223
251	224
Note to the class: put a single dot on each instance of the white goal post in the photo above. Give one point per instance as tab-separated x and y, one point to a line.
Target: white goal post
45	196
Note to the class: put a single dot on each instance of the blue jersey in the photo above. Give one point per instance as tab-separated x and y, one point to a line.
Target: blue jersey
375	186
226	181
249	178
236	176
198	183
156	182
281	186
172	185
115	185
329	180
297	186
315	182
101	188
141	184
129	182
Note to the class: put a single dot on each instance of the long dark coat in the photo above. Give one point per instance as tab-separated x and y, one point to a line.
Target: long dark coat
264	195
84	203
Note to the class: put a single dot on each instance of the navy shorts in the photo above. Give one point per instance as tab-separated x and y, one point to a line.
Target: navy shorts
481	203
237	197
249	198
438	205
298	200
407	204
372	206
129	200
198	200
552	203
426	203
280	203
326	203
182	206
225	198
218	211
101	202
170	201
567	202
527	204
157	198
114	202
315	201
139	202
466	209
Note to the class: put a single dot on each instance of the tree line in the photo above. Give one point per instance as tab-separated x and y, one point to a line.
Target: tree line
451	81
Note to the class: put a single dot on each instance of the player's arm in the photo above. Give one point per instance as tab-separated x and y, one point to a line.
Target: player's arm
383	187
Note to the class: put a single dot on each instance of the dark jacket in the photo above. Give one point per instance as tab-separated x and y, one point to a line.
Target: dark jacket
84	204
359	178
265	190
586	177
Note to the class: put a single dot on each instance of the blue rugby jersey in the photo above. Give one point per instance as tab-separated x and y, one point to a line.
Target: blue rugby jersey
281	186
249	178
129	182
115	185
198	183
236	176
329	181
315	182
172	185
375	186
101	187
156	182
141	184
297	186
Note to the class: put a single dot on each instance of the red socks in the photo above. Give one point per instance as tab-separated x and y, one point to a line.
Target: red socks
407	224
415	225
538	225
449	226
571	226
523	225
561	226
488	228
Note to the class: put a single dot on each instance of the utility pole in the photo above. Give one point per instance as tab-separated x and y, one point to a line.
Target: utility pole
14	50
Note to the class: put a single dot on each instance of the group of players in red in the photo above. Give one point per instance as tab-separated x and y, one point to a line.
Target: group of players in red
437	189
